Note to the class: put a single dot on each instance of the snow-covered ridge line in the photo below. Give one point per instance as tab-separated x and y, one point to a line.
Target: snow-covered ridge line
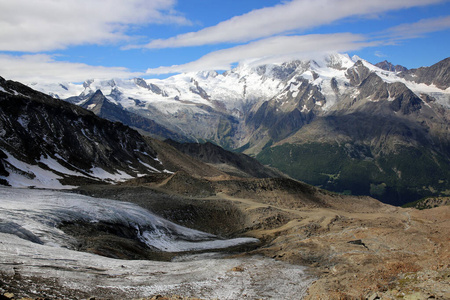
217	107
234	88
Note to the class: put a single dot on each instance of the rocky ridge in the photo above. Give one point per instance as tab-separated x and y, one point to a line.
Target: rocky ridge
232	163
385	65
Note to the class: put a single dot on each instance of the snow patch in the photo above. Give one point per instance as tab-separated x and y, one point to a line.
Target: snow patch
153	169
3	90
105	175
56	166
22	174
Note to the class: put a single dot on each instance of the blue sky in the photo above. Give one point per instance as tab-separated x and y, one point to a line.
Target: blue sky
73	40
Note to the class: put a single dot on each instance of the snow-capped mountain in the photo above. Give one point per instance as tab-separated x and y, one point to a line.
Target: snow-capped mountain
216	107
370	114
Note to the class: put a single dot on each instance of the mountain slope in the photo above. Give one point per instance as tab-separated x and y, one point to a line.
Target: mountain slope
102	107
438	74
50	143
237	164
385	65
383	141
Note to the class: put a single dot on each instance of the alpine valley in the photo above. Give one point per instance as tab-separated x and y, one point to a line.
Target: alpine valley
135	208
338	123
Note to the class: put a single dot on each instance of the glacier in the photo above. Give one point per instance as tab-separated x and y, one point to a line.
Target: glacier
39	212
33	249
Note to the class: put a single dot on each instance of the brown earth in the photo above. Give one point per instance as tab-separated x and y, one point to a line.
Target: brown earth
358	247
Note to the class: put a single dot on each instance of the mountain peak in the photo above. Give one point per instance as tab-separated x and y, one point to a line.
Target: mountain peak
385	65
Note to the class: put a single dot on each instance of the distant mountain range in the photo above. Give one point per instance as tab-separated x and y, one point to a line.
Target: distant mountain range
49	143
340	123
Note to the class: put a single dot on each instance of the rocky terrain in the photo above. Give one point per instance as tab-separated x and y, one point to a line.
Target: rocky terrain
358	247
429	202
355	247
385	65
49	143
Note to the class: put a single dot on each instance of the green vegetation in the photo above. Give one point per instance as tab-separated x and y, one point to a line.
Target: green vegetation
396	178
415	204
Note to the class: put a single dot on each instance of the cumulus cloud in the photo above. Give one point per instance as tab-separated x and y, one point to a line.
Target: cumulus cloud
286	17
45	69
270	50
33	26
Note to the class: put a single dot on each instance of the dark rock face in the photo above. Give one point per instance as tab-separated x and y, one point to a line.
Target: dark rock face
151	87
199	90
357	73
281	123
34	125
385	65
438	74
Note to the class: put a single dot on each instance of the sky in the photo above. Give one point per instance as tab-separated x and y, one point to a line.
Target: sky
58	41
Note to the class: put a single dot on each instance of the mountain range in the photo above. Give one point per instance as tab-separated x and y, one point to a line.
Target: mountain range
339	123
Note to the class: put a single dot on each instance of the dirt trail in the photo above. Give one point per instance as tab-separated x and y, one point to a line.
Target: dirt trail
358	252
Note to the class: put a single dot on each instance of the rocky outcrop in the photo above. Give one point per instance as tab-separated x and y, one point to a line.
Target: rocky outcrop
151	87
385	65
438	74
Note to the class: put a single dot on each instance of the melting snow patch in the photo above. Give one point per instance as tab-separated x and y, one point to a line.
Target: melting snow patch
105	175
3	90
22	174
153	169
56	166
39	212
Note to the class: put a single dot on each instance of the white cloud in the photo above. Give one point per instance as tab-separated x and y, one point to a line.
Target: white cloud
44	69
418	29
33	26
380	54
274	49
283	18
